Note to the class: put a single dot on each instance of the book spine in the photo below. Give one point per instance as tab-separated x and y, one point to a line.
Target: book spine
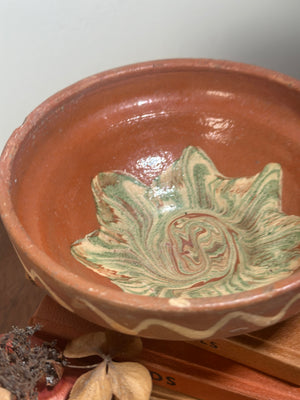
213	377
253	353
187	380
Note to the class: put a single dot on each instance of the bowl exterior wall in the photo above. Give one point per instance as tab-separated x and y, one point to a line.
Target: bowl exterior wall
242	116
183	324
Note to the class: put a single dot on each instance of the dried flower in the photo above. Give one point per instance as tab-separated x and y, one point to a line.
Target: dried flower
110	379
23	365
5	394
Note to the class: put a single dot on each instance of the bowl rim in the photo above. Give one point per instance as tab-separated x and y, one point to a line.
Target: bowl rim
44	262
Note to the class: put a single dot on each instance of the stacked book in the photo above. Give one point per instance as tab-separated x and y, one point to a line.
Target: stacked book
263	365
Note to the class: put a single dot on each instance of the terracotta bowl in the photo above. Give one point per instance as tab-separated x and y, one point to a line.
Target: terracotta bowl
241	116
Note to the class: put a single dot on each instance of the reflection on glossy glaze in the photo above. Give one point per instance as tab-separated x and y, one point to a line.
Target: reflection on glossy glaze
152	166
218	129
193	232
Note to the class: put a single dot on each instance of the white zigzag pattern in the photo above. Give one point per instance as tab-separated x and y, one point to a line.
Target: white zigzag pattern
258	320
187	333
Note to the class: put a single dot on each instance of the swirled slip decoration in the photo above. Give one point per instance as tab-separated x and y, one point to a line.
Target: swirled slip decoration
193	232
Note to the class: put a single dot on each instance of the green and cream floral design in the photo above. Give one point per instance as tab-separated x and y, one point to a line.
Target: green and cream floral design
193	232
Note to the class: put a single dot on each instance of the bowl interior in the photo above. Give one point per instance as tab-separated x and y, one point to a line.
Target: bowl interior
140	122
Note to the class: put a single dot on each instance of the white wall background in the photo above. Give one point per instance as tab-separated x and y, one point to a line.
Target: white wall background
46	45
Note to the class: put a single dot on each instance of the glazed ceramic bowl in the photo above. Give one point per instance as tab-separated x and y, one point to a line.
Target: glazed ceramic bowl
138	120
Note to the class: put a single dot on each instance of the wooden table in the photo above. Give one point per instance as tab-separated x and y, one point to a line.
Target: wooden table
18	296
